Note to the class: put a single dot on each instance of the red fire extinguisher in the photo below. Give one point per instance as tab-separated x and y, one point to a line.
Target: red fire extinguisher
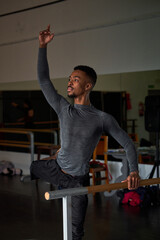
141	109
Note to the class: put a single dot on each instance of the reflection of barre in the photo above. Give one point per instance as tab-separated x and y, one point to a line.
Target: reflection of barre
66	195
14	144
93	189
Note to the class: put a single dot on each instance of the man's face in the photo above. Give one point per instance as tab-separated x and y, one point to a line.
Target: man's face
77	84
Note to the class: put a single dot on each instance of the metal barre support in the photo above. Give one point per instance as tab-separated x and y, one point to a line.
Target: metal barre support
67	193
55	137
46	131
67	217
32	145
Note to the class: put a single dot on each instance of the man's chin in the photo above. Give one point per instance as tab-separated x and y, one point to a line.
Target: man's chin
71	96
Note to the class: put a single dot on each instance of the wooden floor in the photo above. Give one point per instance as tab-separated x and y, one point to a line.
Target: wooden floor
25	214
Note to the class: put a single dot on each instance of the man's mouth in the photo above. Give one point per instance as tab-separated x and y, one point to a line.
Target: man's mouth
69	89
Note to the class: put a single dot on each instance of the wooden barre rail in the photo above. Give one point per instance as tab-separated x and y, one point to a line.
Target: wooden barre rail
25	131
5	142
43	130
121	185
14	130
36	123
23	144
15	145
93	189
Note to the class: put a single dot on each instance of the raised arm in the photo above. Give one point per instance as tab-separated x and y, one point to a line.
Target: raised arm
55	100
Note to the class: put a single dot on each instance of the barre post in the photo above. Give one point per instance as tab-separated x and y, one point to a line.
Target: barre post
31	145
67	217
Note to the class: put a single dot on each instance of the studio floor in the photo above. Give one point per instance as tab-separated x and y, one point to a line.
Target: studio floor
26	215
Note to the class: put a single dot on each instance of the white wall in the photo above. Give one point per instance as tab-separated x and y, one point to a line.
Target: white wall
119	38
112	36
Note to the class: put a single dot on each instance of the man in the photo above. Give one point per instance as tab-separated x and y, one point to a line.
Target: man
81	128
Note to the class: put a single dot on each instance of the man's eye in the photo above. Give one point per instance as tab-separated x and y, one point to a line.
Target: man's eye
76	80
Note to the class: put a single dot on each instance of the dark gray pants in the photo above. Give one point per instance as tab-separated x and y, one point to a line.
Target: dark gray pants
50	171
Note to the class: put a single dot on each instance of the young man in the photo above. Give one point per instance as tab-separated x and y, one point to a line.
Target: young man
81	128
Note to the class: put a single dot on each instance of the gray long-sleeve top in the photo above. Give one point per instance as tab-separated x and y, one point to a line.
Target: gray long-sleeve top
81	127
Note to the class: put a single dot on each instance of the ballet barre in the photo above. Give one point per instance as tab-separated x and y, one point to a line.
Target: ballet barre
66	195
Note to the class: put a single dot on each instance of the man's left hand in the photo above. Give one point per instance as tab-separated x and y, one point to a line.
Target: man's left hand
133	180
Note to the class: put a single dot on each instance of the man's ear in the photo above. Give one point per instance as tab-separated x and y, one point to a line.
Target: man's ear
88	86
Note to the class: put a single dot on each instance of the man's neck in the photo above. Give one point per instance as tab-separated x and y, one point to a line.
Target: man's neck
82	100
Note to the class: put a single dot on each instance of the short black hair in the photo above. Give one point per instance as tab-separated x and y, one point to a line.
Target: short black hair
89	71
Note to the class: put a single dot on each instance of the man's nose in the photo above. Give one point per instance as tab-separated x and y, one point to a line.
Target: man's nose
70	82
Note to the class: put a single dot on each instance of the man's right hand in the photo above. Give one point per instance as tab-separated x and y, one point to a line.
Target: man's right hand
45	37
